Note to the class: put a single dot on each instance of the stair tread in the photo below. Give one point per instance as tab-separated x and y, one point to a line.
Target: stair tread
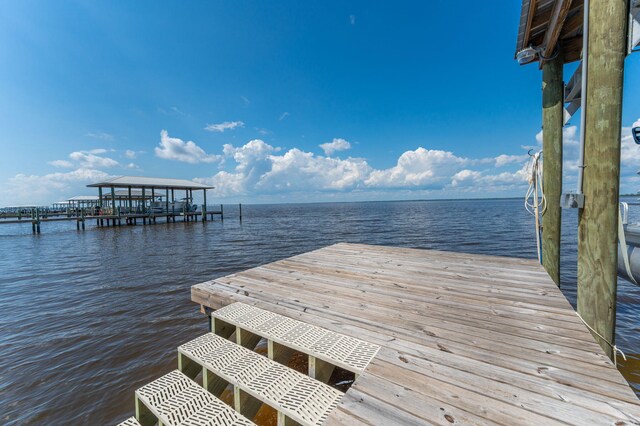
176	400
338	349
298	396
131	421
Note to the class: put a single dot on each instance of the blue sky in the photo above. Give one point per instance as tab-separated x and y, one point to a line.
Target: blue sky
408	100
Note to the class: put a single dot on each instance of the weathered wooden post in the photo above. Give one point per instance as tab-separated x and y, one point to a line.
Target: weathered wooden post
100	222
143	210
598	220
129	201
204	206
552	123
113	201
167	203
153	199
240	207
221	213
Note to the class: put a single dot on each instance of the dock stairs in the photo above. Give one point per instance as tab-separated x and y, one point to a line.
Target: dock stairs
299	399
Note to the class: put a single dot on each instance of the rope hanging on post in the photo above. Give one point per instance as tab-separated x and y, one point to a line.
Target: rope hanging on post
534	200
611	345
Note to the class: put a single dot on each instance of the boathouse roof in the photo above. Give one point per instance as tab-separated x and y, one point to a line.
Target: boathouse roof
84	198
547	24
149	182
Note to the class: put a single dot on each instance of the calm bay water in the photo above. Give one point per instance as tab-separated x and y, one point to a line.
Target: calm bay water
87	317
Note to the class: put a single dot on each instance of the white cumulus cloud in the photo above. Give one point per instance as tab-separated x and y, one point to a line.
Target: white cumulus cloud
221	127
178	150
419	168
61	163
337	144
89	160
43	189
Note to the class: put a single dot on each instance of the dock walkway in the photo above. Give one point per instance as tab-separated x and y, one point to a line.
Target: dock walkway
466	339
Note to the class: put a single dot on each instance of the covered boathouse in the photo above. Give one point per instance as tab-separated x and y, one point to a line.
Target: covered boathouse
146	198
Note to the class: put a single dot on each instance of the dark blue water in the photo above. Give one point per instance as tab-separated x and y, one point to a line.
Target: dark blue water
87	317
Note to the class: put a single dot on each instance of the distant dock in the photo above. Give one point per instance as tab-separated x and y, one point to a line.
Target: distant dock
123	200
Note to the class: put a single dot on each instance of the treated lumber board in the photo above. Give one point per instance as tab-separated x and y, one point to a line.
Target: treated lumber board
576	379
556	22
505	327
372	333
415	291
457	326
457	286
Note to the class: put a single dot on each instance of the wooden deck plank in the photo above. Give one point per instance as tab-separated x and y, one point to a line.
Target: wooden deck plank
578	377
480	339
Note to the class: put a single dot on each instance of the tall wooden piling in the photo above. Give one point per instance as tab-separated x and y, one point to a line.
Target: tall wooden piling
204	206
552	123
598	220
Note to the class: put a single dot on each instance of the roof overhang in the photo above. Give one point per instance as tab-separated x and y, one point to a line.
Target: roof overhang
550	26
148	182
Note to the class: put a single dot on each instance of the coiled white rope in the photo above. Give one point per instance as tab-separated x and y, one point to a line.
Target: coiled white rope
534	200
611	345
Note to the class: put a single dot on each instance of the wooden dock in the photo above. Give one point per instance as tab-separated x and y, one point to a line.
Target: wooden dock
466	339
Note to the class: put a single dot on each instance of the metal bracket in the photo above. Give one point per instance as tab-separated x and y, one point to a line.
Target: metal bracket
572	200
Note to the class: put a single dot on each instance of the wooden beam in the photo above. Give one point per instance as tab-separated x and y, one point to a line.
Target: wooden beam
571	25
246	338
552	123
572	49
527	30
245	404
213	383
284	420
279	353
319	369
144	416
598	220
558	15
221	328
190	368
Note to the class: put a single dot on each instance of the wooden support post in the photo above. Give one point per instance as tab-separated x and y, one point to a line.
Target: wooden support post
245	404
100	199
144	201
189	367
144	416
221	213
284	420
240	209
552	123
598	220
246	338
221	328
279	353
113	201
204	206
130	201
153	200
319	369
213	383
166	201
